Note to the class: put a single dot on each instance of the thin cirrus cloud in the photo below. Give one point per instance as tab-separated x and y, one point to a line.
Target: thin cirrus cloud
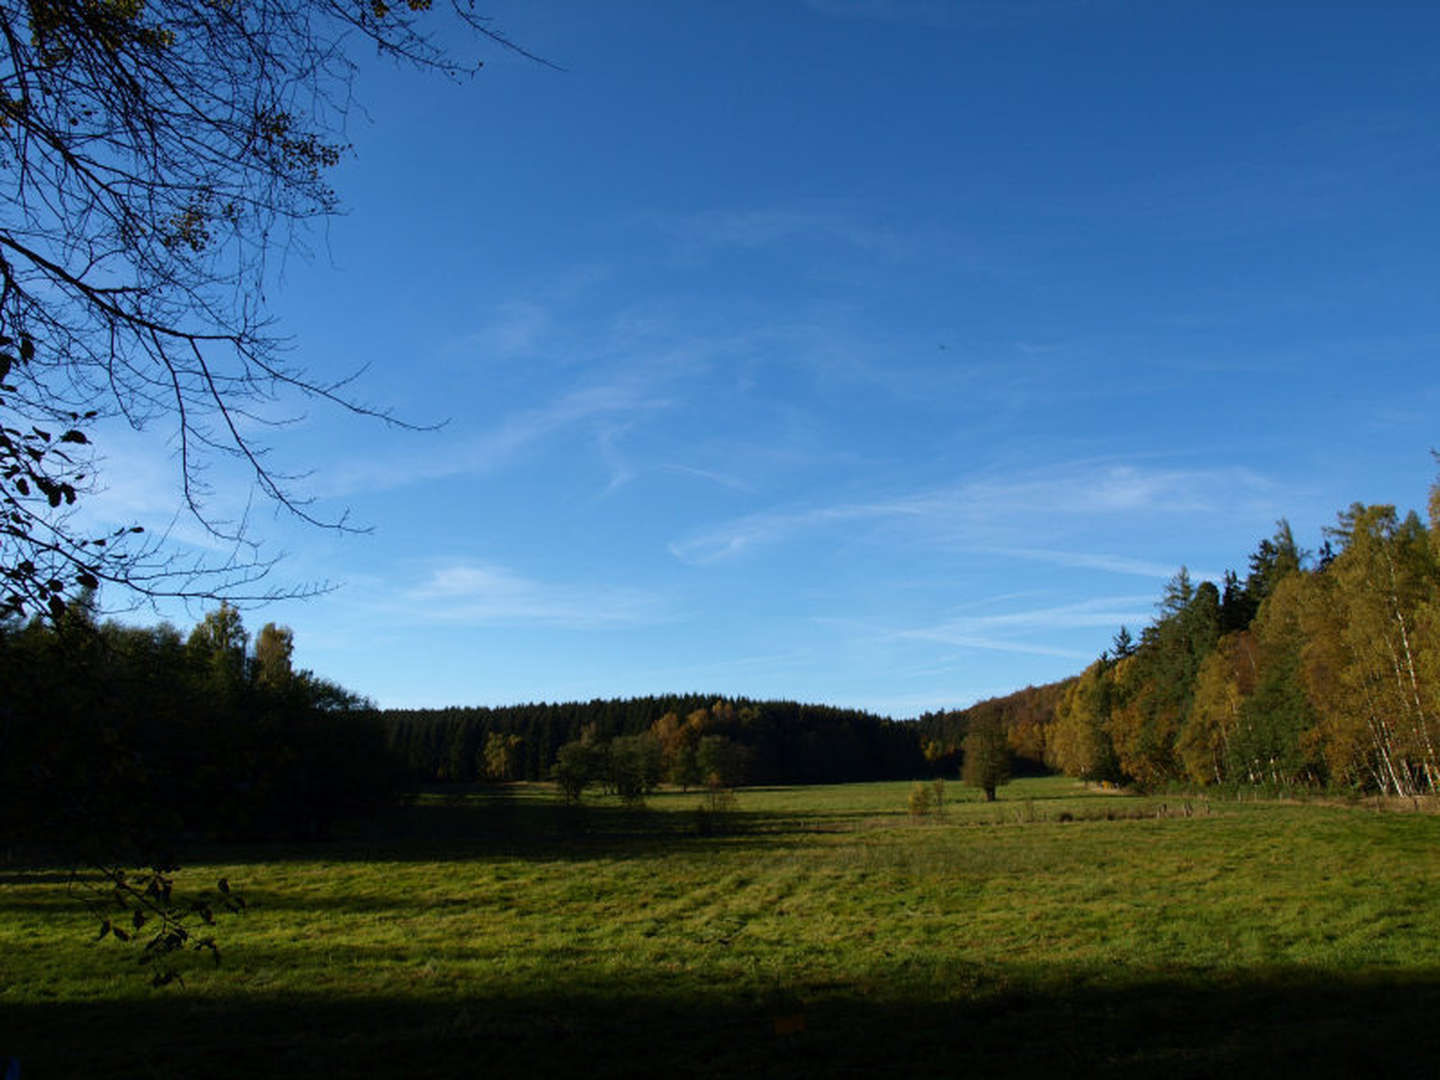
616	463
518	327
139	480
1027	631
1111	487
757	530
756	229
959	640
518	432
988	509
623	472
734	483
989	633
478	593
1013	631
1115	564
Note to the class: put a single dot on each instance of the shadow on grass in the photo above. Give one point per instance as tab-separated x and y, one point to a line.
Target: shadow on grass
477	826
1279	1023
537	829
480	824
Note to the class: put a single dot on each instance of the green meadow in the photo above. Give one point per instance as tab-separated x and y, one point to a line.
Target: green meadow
819	930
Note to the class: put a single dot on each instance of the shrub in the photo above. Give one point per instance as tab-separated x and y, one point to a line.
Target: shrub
919	800
716	808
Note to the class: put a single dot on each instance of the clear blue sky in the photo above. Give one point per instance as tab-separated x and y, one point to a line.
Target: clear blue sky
885	353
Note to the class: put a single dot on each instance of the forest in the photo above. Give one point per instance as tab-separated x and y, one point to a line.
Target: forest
118	735
1316	670
783	742
121	740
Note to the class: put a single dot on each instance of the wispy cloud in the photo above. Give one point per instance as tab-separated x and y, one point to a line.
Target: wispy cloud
1115	564
762	228
139	477
517	328
963	633
1096	611
723	479
962	640
1115	487
1023	631
139	480
621	471
479	593
980	513
756	530
517	432
532	425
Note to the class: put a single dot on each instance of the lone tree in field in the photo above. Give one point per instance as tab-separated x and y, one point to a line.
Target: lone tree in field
154	159
987	756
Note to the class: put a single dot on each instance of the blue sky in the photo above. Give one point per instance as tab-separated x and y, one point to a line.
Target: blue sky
885	353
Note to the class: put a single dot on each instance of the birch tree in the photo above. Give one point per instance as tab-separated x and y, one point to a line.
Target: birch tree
1379	588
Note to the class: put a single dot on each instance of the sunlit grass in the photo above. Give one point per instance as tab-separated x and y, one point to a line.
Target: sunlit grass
507	922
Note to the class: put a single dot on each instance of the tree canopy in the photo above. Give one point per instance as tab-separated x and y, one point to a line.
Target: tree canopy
155	157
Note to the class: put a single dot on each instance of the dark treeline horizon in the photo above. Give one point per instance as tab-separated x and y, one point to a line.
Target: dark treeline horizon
789	742
1314	670
121	740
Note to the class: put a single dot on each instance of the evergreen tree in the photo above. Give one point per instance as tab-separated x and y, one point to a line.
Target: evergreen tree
1123	644
1273	560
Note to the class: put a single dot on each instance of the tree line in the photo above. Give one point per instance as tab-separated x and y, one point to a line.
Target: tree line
1023	716
120	739
117	738
1315	670
685	739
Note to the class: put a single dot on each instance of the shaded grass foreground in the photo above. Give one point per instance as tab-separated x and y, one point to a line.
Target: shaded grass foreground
826	932
1278	1024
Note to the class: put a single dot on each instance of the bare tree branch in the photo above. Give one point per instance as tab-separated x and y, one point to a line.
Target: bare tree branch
153	155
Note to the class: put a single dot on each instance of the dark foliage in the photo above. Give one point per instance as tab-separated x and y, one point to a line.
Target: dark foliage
117	743
787	742
987	756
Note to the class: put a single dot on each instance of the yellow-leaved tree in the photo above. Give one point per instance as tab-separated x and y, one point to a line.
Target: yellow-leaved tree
1078	743
1367	654
1226	677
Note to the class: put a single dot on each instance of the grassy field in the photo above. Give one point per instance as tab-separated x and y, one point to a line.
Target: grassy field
823	932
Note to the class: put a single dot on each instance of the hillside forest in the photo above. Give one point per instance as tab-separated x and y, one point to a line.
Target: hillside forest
1315	669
